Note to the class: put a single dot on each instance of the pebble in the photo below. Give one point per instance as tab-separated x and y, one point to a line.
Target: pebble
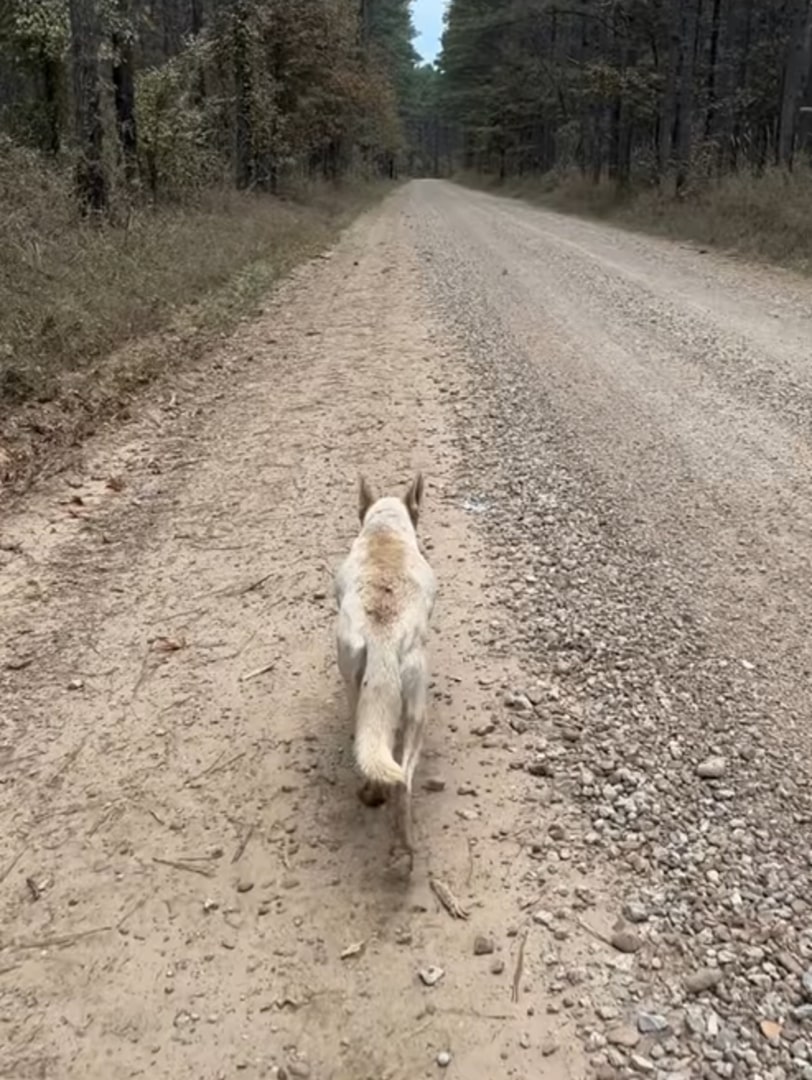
704	979
431	975
712	769
497	966
635	912
543	917
624	1035
444	1059
549	1047
244	886
483	946
652	1024
806	983
626	941
641	1064
434	784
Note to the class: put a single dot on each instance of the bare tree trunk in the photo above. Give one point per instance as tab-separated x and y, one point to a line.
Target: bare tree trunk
52	83
668	102
91	183
795	71
685	124
710	118
242	87
124	93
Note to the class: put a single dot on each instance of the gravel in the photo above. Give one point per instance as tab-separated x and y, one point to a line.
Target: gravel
648	518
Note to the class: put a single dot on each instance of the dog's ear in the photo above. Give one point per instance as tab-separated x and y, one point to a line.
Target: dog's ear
414	498
366	497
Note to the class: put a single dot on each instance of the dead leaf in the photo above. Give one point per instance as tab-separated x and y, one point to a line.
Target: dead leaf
770	1029
165	644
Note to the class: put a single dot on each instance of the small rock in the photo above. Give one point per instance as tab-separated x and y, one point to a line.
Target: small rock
444	1059
606	1012
543	917
626	941
806	983
434	784
431	975
712	769
635	912
497	966
487	728
299	1069
641	1064
244	886
704	979
549	1047
624	1035
652	1024
483	946
800	1049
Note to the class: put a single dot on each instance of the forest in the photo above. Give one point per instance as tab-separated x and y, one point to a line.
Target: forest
630	90
169	96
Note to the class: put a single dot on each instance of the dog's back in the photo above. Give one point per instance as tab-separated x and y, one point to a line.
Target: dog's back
385	590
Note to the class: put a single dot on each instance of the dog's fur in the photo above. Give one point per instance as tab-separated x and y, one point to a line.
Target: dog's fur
385	591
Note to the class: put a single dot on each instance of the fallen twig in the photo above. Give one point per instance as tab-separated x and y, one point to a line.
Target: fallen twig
250	587
216	766
130	912
204	871
243	844
61	939
353	950
68	761
13	863
448	899
258	671
517	974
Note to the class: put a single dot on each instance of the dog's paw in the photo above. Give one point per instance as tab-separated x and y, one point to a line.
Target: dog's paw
372	794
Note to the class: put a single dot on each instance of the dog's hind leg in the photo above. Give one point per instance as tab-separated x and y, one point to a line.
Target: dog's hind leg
414	682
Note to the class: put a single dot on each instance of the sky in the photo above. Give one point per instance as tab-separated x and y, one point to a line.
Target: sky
428	21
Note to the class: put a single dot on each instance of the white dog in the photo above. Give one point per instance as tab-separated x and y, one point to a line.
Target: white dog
385	591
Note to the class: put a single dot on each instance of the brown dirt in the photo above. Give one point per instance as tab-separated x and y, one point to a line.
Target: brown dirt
183	859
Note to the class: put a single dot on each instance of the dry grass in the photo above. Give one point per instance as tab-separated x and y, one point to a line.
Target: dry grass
763	216
73	295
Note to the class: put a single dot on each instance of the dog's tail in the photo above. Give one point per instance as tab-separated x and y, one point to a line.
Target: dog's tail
378	716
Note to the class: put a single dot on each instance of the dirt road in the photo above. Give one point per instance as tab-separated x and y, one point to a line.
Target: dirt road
616	436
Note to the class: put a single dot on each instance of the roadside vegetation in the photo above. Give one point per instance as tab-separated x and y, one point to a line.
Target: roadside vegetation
160	167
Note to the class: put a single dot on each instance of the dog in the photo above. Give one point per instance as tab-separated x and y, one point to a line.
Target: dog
385	591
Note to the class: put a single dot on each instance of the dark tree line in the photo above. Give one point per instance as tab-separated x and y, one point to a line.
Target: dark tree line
655	89
163	96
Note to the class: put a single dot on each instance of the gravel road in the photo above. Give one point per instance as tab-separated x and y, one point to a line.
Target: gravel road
616	435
